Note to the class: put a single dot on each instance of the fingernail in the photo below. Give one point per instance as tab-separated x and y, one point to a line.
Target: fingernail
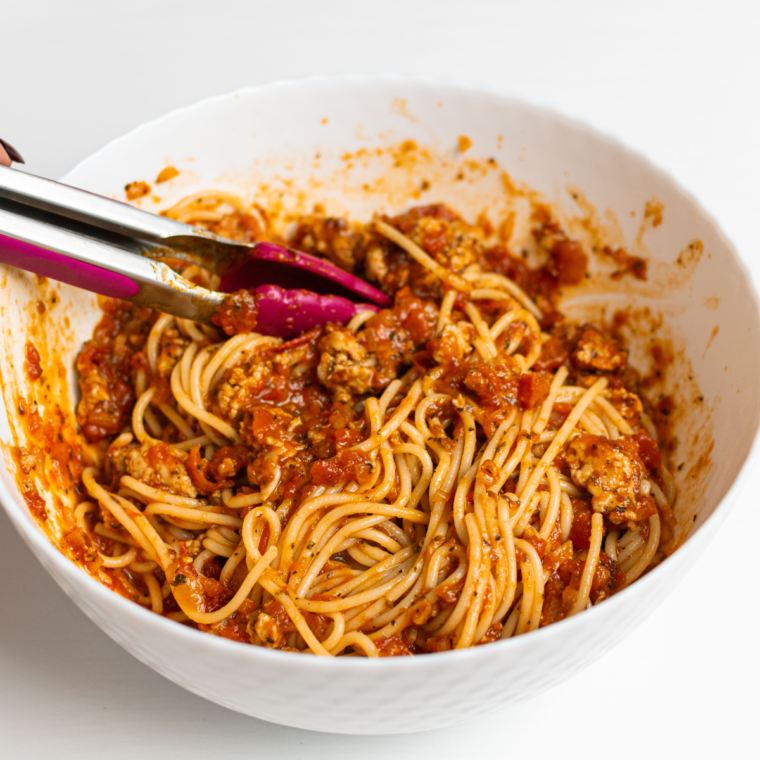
13	154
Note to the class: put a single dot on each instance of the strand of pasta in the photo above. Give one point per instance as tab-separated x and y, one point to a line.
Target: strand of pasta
196	411
211	618
595	545
560	438
430	478
422	258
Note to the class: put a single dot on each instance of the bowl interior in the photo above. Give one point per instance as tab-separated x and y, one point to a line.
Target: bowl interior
364	146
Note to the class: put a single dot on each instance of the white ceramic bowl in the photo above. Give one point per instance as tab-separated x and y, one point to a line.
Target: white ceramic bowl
295	136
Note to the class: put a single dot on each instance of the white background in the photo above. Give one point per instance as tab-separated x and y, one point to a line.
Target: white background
677	80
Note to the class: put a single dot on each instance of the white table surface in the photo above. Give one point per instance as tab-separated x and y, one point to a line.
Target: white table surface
677	80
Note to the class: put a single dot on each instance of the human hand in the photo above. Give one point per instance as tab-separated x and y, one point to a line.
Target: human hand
8	154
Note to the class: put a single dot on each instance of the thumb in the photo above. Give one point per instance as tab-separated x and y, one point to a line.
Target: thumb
8	154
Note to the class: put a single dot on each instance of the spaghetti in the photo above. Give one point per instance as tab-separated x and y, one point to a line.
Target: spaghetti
462	467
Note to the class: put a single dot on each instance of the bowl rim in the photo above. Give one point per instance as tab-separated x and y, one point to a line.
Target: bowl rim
37	540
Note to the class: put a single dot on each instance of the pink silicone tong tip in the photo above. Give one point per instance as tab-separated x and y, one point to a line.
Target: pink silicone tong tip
287	313
296	270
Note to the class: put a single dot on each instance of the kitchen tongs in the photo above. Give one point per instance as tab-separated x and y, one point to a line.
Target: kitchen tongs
114	249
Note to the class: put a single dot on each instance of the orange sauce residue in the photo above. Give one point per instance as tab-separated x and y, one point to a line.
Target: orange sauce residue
399	106
691	255
135	190
653	212
166	174
713	335
45	448
464	143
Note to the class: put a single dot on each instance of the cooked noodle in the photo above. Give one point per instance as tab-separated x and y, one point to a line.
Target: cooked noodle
421	511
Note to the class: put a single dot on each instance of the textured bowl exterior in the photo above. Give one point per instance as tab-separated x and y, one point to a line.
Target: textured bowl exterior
395	695
398	695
